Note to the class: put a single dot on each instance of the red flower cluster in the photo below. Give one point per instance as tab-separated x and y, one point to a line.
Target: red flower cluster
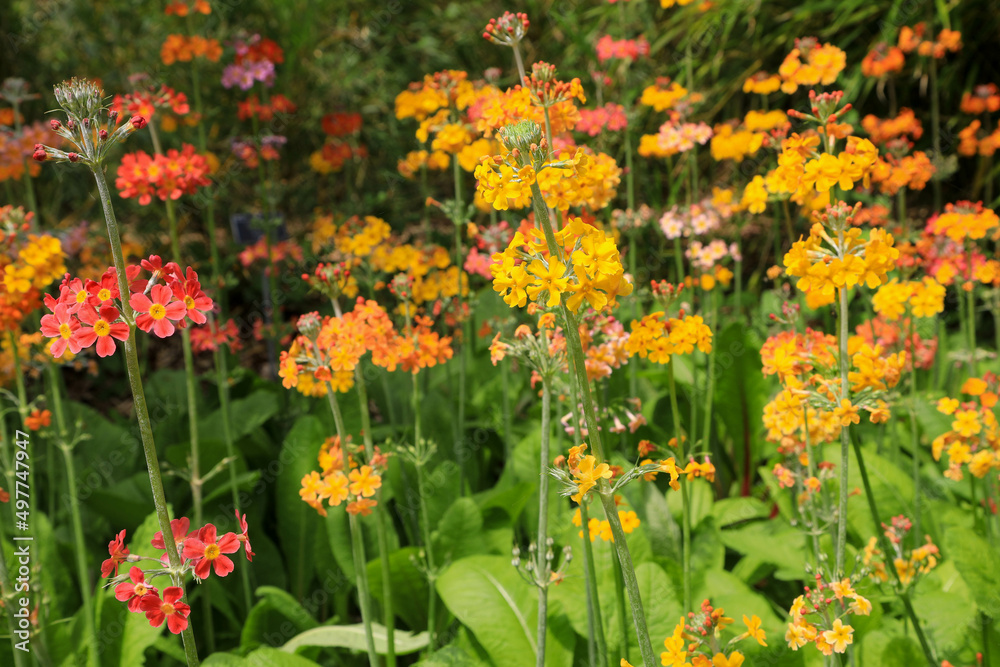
166	176
621	49
593	121
265	112
258	48
341	124
202	552
90	312
213	336
145	104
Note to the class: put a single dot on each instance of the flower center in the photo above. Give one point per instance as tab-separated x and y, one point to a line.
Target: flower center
104	294
65	331
188	301
157	311
211	552
102	328
81	296
167	608
140	590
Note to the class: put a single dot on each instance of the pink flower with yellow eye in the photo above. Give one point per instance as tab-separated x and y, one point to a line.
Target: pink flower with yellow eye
156	314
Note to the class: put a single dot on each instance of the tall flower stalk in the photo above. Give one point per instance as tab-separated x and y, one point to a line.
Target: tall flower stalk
82	101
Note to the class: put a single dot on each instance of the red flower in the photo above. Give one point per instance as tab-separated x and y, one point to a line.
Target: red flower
179	528
106	290
156	314
103	328
133	592
208	554
195	301
118	552
38	419
169	608
243	537
62	327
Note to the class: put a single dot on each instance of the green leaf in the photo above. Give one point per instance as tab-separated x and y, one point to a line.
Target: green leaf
740	393
272	657
353	637
459	533
246	414
759	540
409	586
300	525
274	604
979	566
490	598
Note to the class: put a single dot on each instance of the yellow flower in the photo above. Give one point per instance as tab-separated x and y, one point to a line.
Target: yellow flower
839	636
947	405
720	660
364	482
847	413
588	472
754	630
966	423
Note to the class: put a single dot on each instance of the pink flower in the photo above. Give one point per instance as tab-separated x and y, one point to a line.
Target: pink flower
207	554
102	328
170	608
623	49
118	552
61	326
133	591
156	314
243	537
195	301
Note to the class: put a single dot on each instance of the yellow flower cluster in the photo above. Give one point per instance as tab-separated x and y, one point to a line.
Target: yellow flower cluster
595	274
697	638
662	95
812	613
909	566
657	339
762	83
729	143
809	64
925	297
800	169
39	261
754	196
762	121
414	160
602	527
965	221
593	187
974	438
359	238
858	261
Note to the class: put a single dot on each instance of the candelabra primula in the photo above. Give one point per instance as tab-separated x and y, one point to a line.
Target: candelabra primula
697	639
910	564
819	615
973	441
201	552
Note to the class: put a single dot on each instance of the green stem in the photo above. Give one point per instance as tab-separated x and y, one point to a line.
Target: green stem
7	595
844	435
710	389
543	564
139	399
191	385
595	623
357	537
622	609
507	421
222	380
914	436
383	543
685	504
887	548
429	554
74	503
575	349
203	148
463	352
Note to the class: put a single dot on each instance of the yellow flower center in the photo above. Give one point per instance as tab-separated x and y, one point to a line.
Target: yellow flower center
104	294
167	608
157	311
188	301
139	590
81	296
65	331
212	552
102	328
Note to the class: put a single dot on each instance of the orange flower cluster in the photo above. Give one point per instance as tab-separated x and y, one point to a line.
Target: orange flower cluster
882	60
181	48
178	8
910	171
983	99
332	484
905	124
972	142
657	338
252	107
166	176
16	150
912	39
974	438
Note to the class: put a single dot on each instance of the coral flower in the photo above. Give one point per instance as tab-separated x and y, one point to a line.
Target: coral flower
209	554
196	302
118	552
62	327
38	419
102	328
156	314
243	537
170	608
364	482
133	591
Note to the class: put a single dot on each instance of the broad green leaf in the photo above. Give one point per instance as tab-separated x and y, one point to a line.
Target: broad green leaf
300	525
353	637
274	605
459	533
979	566
741	391
409	586
489	597
759	539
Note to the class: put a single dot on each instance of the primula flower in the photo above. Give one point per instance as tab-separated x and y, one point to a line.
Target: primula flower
118	552
170	608
61	326
38	419
133	591
208	554
156	314
243	536
101	326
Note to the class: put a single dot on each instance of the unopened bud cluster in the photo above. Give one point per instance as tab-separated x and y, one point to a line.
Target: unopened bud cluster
83	102
507	30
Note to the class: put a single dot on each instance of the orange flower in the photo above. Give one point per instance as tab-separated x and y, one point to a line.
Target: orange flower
38	419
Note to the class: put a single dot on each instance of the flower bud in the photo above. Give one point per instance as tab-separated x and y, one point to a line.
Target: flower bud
103	135
73	157
39	154
138	122
81	98
55	125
